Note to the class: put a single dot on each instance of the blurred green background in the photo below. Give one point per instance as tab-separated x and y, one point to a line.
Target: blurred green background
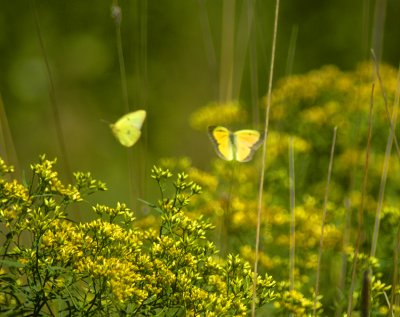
172	53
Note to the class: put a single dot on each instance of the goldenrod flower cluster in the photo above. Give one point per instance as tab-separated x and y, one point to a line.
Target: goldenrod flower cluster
305	109
107	266
217	113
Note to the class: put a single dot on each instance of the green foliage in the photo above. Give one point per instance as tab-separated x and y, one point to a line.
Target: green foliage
172	262
51	266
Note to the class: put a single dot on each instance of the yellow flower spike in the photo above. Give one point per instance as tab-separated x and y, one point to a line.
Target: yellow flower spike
217	113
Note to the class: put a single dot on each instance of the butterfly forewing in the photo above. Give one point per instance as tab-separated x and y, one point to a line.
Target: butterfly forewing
134	119
246	142
127	128
222	139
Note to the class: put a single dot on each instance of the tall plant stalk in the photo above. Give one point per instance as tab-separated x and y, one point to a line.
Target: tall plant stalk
292	187
52	92
360	229
321	239
264	156
385	169
7	147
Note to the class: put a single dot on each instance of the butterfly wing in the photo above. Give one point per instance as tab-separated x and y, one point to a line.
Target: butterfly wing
127	128
222	139
246	142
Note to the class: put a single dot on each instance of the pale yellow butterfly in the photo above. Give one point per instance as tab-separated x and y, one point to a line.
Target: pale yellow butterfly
239	145
127	128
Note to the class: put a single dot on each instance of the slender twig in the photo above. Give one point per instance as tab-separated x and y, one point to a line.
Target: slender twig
245	25
385	169
142	60
254	89
227	49
292	183
360	230
291	50
392	132
139	95
208	43
289	66
343	268
395	279
365	28
222	230
388	116
387	302
52	93
117	15
321	239
264	155
6	141
143	90
379	26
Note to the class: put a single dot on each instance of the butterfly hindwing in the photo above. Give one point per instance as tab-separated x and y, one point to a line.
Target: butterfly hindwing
246	143
127	128
222	139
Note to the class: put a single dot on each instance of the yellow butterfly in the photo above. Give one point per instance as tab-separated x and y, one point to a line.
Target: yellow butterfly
127	128
239	146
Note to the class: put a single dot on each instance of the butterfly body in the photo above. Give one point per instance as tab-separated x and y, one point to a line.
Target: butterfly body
235	146
127	128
